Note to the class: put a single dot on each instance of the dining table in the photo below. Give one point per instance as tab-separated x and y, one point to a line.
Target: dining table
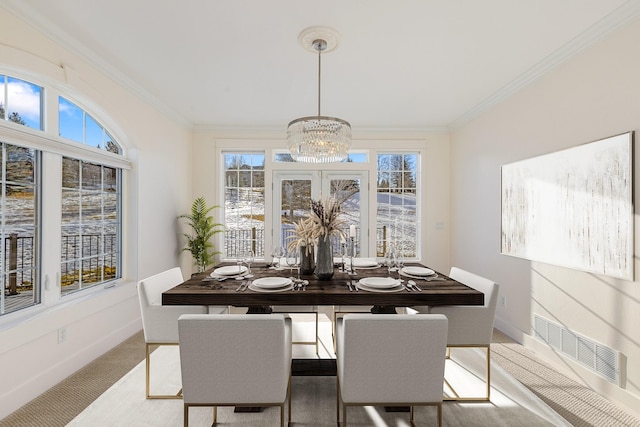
344	288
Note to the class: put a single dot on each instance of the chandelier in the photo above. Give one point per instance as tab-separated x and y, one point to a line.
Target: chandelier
319	139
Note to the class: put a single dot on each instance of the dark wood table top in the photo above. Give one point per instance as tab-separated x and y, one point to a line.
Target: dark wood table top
196	291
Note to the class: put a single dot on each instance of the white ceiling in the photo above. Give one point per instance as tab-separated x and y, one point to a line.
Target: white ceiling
400	65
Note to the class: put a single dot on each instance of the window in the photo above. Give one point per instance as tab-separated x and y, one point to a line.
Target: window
76	125
21	102
90	224
396	216
86	190
19	220
393	199
243	203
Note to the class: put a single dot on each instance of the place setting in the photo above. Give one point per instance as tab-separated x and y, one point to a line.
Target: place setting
380	284
364	263
271	284
421	273
237	272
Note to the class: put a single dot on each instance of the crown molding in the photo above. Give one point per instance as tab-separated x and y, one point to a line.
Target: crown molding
37	20
621	16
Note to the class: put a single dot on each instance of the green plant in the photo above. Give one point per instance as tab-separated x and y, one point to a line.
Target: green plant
203	228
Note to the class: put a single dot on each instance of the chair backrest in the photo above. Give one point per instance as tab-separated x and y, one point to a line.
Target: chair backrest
150	289
471	325
235	358
160	322
391	358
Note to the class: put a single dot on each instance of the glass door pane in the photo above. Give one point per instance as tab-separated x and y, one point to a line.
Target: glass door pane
292	200
351	188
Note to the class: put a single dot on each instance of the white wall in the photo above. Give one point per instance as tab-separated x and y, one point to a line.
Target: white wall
590	96
157	189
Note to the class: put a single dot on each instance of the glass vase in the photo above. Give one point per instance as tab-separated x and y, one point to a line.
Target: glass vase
324	261
307	260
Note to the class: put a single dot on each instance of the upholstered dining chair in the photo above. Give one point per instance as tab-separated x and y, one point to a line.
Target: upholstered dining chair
291	309
235	360
470	326
341	310
390	360
160	322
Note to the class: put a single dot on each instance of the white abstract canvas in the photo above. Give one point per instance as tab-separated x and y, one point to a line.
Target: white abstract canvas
572	208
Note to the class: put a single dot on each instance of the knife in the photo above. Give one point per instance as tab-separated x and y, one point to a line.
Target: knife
355	285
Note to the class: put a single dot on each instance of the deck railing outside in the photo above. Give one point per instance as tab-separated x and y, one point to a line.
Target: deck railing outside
19	260
240	240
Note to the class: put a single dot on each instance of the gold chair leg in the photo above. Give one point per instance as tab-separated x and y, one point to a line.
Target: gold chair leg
337	401
282	415
289	397
344	415
317	338
148	394
186	415
147	363
487	396
215	415
488	372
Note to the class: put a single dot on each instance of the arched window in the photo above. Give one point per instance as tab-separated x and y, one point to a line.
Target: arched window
77	226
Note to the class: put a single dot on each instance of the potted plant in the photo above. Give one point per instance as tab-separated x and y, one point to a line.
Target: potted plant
203	228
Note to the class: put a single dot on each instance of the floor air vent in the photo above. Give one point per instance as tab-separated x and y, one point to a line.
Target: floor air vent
595	356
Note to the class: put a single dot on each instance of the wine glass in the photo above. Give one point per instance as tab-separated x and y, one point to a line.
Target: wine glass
292	259
390	259
248	257
273	256
239	263
344	251
280	253
399	261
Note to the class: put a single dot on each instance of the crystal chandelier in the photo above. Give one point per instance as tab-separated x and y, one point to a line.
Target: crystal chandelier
318	139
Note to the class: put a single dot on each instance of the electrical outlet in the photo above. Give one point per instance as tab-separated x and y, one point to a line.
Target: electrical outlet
503	301
62	334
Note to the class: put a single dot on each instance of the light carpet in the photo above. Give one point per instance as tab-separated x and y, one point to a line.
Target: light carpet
314	401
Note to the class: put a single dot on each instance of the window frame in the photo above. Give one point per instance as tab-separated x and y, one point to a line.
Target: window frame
52	149
272	165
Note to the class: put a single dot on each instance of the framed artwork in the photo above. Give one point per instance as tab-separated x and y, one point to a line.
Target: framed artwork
573	208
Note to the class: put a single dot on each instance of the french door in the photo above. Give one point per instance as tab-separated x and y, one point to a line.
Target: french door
293	190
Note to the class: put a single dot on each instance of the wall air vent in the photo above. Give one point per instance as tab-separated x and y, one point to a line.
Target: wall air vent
598	358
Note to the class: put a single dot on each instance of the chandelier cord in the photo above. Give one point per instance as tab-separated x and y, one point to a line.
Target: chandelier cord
319	45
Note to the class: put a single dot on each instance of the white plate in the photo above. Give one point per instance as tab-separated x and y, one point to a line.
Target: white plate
282	289
397	288
379	282
271	282
229	270
365	262
418	271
